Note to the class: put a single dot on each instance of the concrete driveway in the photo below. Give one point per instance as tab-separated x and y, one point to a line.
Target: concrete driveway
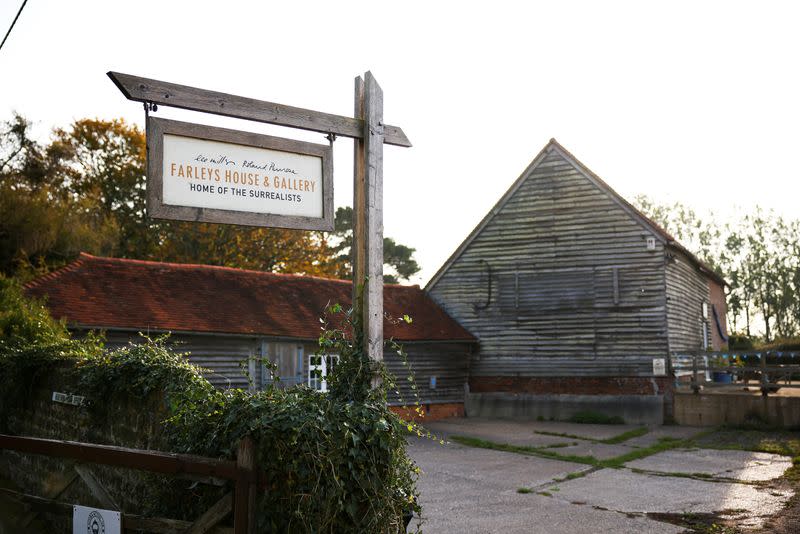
471	489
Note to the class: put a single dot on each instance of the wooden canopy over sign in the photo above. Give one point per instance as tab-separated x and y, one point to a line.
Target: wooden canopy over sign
368	131
181	96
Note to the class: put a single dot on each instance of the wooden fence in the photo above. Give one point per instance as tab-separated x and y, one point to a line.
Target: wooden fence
768	370
242	473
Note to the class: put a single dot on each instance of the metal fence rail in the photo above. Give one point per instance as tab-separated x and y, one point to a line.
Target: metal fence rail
771	370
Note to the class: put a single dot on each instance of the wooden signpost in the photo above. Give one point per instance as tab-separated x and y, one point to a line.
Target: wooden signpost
269	205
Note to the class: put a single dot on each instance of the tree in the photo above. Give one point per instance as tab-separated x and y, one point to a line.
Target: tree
42	223
85	191
757	253
398	259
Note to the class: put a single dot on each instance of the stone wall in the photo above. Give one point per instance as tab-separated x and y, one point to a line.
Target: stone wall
131	423
714	409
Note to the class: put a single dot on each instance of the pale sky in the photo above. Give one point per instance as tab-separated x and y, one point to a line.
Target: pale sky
691	101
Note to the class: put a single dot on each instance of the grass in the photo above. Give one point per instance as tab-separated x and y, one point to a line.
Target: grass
625	436
696	523
621	438
522	449
524	491
783	442
596	418
574	475
664	444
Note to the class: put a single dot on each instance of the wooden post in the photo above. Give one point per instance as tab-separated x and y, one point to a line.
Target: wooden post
764	375
244	511
368	215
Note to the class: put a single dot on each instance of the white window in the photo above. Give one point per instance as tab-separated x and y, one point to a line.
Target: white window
319	367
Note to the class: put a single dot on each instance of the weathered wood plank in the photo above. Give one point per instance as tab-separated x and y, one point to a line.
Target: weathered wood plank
212	516
130	522
142	89
556	306
368	215
244	518
154	461
96	488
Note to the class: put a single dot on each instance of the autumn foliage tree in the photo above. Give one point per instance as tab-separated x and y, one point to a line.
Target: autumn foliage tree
85	190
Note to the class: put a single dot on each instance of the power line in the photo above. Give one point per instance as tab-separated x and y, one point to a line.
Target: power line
12	24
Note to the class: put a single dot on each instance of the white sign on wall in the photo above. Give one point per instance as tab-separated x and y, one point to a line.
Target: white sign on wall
659	366
95	521
206	174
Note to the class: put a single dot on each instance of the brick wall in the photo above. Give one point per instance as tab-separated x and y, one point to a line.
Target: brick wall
572	385
433	412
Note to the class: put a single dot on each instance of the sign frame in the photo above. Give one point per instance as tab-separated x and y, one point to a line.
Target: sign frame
156	208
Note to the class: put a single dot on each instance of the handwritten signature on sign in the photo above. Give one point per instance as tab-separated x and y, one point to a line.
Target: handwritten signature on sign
222	159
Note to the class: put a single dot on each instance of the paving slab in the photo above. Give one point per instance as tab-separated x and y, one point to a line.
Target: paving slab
741	465
493	469
624	491
581	430
475	490
500	431
601	451
655	434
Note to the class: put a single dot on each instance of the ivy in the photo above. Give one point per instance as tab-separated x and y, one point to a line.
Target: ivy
335	462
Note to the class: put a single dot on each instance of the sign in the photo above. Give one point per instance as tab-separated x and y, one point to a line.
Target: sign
206	174
659	366
95	521
66	398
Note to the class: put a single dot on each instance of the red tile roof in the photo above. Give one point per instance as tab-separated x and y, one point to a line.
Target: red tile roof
132	294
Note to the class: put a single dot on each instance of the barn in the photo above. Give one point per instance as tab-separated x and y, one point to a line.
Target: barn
226	319
577	299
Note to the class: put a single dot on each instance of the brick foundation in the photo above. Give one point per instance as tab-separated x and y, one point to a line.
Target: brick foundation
625	385
433	412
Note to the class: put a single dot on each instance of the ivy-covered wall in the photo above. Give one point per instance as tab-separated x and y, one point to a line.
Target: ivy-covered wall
334	463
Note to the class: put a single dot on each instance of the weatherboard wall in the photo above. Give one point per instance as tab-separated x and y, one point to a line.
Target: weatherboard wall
687	290
559	281
227	360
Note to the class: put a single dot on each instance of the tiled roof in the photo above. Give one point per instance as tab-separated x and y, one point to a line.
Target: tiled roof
132	294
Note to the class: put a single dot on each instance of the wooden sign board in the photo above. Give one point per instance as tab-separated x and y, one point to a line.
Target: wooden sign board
207	174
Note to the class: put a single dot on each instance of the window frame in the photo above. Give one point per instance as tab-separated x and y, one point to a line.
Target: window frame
327	363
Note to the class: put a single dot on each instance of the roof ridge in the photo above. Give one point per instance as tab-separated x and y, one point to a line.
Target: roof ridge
669	238
52	275
202	266
659	229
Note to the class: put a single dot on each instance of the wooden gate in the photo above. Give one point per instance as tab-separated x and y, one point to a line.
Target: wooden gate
242	473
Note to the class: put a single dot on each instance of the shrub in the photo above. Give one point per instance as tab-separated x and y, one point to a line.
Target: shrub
739	341
783	344
596	418
334	463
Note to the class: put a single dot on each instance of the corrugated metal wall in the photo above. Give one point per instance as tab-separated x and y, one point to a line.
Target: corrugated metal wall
571	287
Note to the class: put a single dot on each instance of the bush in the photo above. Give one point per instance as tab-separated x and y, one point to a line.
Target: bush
24	320
783	344
596	418
334	463
738	341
